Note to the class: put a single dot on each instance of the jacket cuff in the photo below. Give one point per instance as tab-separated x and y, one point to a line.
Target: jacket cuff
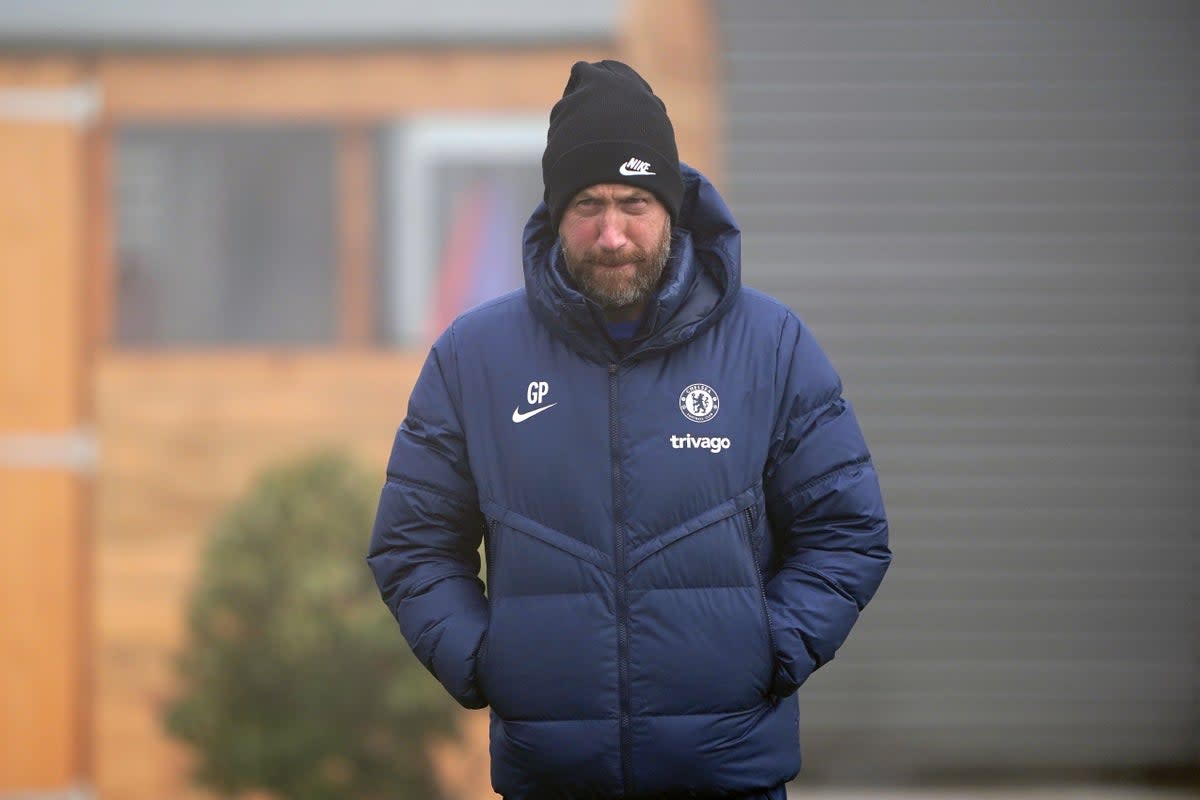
790	674
454	662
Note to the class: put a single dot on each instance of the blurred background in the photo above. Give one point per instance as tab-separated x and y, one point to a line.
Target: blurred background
228	233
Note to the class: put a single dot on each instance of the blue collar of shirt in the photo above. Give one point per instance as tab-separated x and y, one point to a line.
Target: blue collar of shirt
623	331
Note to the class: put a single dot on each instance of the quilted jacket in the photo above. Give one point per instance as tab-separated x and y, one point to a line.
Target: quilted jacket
677	532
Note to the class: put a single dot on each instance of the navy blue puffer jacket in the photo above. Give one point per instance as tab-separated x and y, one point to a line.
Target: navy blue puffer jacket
676	536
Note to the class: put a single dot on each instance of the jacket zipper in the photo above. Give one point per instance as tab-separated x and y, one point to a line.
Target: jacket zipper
622	602
762	585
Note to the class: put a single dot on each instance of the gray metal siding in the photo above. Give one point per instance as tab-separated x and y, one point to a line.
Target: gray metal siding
987	212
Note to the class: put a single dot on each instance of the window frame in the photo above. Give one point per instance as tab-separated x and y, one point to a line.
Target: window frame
420	146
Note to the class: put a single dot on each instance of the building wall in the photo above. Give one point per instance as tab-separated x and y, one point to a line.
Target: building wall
93	593
181	437
987	214
44	489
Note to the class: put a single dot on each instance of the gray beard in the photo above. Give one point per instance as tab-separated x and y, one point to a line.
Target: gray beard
585	272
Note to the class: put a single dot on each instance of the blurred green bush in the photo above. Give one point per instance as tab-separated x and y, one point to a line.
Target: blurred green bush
295	679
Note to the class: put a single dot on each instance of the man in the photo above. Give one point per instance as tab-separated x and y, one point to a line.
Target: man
680	514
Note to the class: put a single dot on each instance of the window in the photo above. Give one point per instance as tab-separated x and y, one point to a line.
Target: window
458	194
225	235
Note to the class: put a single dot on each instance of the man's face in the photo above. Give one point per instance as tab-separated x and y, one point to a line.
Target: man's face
615	241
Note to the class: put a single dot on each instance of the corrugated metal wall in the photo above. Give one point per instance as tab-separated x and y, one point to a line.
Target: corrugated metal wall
988	214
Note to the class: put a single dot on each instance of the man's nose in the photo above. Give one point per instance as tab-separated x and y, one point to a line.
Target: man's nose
612	231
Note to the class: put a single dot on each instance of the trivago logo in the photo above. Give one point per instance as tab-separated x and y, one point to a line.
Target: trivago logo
713	444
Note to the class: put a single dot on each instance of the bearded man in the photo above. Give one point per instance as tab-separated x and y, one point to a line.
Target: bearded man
680	516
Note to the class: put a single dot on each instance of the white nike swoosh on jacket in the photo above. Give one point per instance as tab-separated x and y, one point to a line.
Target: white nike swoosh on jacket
519	417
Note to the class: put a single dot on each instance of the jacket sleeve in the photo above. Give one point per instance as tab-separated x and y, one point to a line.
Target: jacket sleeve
826	513
424	548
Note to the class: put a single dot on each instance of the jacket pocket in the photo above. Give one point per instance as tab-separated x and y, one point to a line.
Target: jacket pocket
549	627
481	665
491	545
698	621
751	518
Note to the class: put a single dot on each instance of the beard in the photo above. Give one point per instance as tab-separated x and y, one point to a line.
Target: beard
594	274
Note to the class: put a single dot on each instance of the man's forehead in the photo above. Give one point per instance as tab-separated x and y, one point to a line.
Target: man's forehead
613	191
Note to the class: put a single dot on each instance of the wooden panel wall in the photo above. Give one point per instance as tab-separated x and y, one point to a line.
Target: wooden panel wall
673	44
181	434
181	437
42	495
40	248
355	85
40	630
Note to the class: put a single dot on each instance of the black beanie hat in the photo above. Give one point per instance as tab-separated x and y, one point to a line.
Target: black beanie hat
609	127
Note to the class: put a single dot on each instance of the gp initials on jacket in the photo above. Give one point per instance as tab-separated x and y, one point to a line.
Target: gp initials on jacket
534	393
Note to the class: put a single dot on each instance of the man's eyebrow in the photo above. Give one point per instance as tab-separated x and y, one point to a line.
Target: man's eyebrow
634	193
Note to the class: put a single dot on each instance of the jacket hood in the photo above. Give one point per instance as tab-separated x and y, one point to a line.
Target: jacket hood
700	282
